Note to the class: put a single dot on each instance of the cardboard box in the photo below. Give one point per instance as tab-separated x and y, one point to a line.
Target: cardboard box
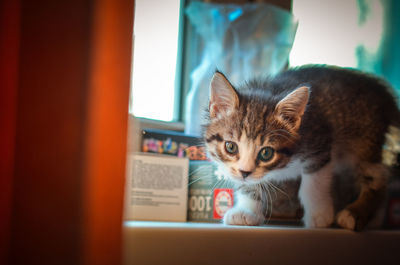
210	196
173	143
156	188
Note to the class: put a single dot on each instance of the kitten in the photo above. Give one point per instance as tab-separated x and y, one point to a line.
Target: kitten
324	124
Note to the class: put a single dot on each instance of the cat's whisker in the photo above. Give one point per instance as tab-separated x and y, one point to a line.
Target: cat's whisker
279	189
273	188
196	180
216	184
197	170
264	196
203	171
226	184
220	185
269	202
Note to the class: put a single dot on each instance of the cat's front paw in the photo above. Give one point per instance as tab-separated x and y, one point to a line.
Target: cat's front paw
319	219
238	216
346	220
349	220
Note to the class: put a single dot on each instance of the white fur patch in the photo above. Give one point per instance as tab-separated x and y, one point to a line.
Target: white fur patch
246	212
248	203
316	199
292	170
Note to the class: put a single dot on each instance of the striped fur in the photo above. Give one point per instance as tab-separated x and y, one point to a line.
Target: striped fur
320	122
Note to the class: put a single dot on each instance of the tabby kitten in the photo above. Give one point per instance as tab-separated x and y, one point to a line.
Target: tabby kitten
324	124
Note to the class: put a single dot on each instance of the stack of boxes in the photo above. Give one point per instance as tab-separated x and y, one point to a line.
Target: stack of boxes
208	194
208	198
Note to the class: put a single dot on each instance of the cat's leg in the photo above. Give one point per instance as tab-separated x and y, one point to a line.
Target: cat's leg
373	183
315	196
247	211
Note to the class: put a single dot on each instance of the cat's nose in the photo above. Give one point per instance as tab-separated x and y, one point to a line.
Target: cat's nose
245	174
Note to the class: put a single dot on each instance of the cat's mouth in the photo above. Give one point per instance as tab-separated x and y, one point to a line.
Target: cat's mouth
247	179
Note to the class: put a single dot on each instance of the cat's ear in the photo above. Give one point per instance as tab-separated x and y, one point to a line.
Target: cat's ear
223	97
291	108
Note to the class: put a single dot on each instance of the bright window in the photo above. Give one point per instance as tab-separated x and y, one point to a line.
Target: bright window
156	29
333	32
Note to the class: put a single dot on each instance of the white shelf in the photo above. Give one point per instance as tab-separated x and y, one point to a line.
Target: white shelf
198	243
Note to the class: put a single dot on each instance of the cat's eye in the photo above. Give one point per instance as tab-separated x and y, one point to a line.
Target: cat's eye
231	147
266	154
